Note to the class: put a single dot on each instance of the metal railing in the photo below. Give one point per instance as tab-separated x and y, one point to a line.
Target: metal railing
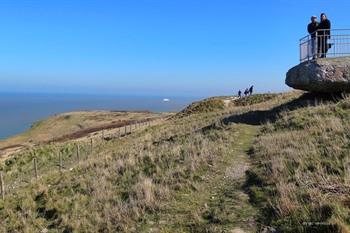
325	43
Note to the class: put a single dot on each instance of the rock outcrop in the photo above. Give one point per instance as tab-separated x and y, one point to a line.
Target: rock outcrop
321	75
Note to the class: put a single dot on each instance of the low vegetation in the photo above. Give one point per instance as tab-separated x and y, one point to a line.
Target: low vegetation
255	99
72	125
161	178
208	105
267	163
301	175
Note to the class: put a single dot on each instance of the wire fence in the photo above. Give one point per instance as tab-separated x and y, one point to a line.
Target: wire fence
35	163
325	43
27	166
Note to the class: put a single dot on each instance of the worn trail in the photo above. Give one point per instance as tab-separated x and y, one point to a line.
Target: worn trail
218	204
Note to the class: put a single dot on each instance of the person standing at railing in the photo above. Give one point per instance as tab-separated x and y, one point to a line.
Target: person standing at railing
323	34
312	29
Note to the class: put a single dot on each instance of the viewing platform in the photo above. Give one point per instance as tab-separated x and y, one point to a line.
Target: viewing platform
324	63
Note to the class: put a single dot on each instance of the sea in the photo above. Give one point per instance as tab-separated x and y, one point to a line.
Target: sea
18	111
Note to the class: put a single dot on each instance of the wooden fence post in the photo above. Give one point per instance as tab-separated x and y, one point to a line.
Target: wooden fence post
2	186
78	151
35	168
91	145
60	160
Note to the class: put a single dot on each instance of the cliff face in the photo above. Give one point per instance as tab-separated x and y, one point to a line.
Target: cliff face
321	75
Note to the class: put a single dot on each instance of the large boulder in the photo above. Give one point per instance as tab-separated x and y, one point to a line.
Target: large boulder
321	75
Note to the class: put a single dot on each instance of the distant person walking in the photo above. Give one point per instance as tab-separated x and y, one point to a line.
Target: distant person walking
323	34
246	92
312	29
251	90
239	94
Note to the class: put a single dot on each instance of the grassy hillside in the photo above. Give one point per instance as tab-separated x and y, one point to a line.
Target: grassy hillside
300	180
204	106
262	163
67	126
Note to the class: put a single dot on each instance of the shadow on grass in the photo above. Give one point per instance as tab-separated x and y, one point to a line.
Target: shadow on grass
259	117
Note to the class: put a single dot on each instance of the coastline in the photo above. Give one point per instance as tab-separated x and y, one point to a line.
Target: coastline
72	126
20	111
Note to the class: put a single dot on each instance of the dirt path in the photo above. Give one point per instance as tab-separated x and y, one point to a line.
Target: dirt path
219	203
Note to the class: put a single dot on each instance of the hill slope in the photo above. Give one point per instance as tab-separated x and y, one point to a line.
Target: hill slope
257	164
72	125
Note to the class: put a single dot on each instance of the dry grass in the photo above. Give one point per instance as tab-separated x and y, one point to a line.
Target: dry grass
68	123
301	177
184	175
73	125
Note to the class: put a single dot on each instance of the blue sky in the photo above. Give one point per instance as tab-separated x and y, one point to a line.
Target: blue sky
154	47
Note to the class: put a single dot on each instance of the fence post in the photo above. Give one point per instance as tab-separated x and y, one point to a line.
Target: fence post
78	151
91	145
35	168
60	160
2	186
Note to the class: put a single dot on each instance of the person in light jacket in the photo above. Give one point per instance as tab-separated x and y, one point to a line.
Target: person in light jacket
312	30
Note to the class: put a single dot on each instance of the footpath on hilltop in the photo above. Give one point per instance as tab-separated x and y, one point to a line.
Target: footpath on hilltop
263	163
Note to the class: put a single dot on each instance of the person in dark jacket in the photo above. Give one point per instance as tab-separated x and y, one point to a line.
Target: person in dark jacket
312	29
251	90
323	34
246	92
239	94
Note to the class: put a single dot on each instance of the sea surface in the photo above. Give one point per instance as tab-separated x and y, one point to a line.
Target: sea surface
19	111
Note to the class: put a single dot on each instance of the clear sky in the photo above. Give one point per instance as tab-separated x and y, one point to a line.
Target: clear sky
154	47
